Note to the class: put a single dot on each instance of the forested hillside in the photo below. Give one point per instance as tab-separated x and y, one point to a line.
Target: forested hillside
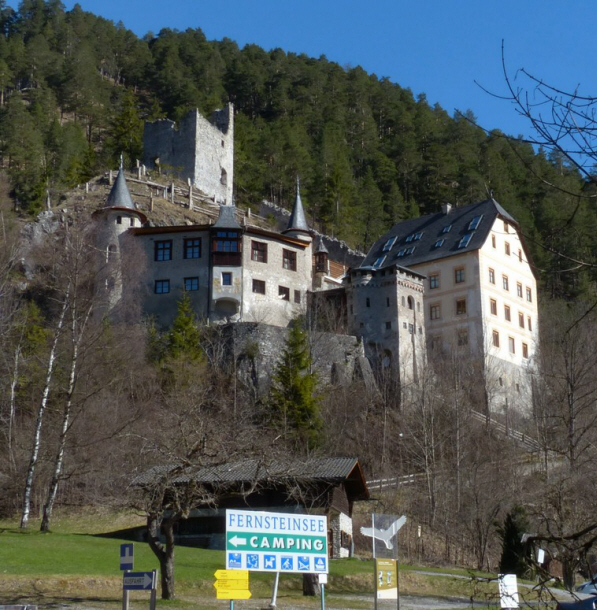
75	89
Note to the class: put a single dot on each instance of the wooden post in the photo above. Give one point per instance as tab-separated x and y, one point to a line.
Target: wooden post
172	192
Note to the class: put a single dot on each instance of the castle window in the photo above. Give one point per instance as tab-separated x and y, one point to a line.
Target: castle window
411	303
519	255
388	325
519	289
495	338
506	227
388	245
462	338
289	260
110	252
191	284
435	312
525	350
507	248
521	320
491	276
529	295
258	286
411	329
493	245
507	313
297	296
259	251
511	345
387	301
224	177
118	220
434	280
227	241
493	307
505	283
192	248
461	307
463	243
459	275
162	286
529	325
226	278
284	293
368	302
132	222
163	250
474	223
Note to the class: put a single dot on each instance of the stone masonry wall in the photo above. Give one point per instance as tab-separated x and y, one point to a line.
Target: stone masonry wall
257	349
198	150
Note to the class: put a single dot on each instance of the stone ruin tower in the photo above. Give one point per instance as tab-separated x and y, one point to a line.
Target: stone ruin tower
197	149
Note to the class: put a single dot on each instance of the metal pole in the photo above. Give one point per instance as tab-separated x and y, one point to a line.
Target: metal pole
397	575
231	604
275	591
322	597
125	594
374	562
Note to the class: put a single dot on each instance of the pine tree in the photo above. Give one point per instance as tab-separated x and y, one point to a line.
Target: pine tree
513	551
294	401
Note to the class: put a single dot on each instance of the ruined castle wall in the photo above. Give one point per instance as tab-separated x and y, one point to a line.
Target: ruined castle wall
198	150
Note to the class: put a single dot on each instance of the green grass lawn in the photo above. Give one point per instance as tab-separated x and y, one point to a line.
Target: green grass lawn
78	558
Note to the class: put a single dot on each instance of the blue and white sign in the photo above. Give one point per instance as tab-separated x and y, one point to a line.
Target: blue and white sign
140	581
276	542
126	556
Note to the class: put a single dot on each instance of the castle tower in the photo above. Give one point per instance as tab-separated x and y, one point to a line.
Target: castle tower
113	221
197	149
226	266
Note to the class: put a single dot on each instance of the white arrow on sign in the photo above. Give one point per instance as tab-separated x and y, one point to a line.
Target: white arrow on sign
137	580
235	540
385	535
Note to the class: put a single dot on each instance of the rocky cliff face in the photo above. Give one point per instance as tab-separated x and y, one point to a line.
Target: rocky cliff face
338	359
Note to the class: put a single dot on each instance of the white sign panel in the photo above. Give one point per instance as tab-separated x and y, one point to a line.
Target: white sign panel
276	542
508	590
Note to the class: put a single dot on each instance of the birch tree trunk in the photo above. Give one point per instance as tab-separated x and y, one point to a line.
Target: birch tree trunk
76	337
40	414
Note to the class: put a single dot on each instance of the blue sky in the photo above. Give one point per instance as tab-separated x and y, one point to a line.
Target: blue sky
434	47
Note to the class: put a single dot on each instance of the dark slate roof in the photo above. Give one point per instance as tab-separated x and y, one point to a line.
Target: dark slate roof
321	249
119	196
227	218
330	470
431	229
298	221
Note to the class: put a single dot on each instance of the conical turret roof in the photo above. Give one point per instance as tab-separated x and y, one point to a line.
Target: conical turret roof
298	221
120	196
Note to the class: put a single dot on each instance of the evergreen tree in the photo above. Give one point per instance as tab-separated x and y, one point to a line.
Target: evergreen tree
294	401
184	336
513	560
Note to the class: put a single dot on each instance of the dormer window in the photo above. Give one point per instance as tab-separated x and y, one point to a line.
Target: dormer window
388	245
417	236
379	262
474	223
446	229
463	243
409	250
439	243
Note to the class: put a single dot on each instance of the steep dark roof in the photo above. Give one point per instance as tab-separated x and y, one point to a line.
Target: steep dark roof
298	221
120	196
227	218
328	470
424	234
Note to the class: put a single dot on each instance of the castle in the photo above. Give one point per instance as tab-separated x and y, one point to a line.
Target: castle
457	281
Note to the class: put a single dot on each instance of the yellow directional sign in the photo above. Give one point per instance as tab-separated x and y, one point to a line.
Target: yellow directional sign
232	584
233	594
221	574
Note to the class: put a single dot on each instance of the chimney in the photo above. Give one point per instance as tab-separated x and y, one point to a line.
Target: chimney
446	207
